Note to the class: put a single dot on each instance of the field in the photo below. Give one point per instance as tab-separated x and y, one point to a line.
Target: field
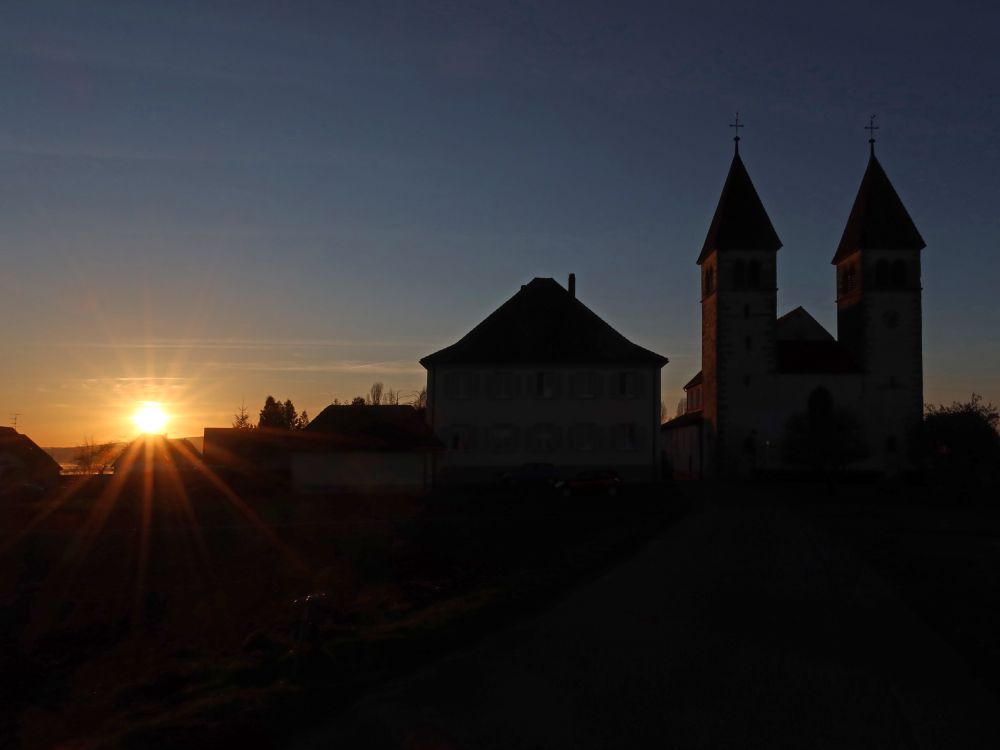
179	611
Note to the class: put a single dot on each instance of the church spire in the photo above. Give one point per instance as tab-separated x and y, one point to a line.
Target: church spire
878	220
740	221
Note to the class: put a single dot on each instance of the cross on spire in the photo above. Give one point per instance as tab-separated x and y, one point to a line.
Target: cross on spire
871	127
737	125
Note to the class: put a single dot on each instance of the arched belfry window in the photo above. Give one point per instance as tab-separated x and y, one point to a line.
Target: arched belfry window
882	274
739	274
850	278
753	274
898	274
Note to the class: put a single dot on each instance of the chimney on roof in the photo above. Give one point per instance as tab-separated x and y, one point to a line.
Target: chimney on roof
572	285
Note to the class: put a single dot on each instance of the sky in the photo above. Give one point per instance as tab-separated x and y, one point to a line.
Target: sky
203	203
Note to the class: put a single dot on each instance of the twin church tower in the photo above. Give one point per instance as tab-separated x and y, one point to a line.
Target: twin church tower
766	380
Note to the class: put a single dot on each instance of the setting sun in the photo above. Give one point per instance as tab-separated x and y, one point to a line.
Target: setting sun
150	417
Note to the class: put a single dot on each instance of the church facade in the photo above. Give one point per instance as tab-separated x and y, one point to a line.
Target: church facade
775	392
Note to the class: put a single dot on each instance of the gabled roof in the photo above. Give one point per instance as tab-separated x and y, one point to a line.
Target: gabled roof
799	325
389	428
543	324
26	452
740	221
151	451
878	220
696	380
684	420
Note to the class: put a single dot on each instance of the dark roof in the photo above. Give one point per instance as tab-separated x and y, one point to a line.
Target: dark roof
543	324
27	451
684	420
147	451
878	220
371	428
740	221
827	356
799	325
696	380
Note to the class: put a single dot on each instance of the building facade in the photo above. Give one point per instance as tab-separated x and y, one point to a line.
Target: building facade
767	382
544	380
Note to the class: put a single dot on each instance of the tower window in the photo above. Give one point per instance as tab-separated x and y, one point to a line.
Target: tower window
709	280
898	274
746	381
882	274
746	311
739	274
753	274
850	278
749	343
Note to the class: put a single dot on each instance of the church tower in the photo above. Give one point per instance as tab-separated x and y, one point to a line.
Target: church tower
879	309
738	320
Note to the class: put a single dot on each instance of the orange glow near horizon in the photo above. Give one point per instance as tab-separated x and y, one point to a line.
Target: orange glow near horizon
151	418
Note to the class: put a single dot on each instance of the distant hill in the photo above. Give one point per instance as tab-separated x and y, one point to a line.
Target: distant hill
65	457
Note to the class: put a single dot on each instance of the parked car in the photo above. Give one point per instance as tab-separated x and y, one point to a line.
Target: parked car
534	476
594	482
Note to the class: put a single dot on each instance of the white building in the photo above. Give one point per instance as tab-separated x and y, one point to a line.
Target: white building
856	395
544	380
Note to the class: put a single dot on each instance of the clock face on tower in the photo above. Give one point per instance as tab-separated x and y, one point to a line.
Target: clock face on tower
891	318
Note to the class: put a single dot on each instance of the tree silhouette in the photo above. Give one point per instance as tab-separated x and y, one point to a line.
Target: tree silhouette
375	393
241	420
959	443
281	416
94	458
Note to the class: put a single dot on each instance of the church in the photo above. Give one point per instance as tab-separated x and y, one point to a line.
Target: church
776	392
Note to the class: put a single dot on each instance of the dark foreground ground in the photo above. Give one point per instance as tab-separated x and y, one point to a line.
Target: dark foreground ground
685	616
770	617
185	614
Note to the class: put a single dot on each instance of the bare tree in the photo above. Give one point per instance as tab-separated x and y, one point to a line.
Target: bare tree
391	397
421	402
375	393
682	407
94	458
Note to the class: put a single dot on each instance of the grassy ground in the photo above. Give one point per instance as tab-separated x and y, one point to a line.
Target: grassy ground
184	613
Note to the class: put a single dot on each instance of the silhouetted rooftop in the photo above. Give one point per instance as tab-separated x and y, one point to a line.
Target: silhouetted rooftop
26	451
740	221
878	220
696	380
372	428
148	451
684	420
543	324
799	325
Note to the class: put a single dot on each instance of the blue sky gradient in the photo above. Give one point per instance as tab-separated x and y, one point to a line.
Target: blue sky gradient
203	202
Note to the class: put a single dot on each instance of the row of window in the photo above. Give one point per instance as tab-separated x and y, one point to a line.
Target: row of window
543	384
545	438
745	275
887	276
